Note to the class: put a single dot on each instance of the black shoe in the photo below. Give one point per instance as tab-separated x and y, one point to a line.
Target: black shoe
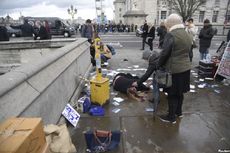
165	118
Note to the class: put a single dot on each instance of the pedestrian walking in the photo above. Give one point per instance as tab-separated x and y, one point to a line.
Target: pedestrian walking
192	31
161	32
27	30
206	34
144	34
175	58
228	36
88	30
151	37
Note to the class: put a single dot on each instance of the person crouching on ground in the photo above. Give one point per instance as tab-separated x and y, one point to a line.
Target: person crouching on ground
175	58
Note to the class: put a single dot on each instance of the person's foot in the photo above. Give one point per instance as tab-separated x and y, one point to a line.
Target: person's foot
167	119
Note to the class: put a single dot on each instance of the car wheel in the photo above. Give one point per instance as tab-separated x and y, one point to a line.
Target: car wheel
13	35
66	34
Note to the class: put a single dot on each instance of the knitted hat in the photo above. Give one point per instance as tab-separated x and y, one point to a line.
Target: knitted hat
172	20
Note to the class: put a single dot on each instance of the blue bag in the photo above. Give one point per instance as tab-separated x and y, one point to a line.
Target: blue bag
112	50
97	111
101	141
86	105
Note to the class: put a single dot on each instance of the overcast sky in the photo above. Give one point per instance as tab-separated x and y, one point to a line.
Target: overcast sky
53	8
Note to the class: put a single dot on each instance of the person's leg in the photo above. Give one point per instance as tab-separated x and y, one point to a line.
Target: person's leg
150	43
201	56
156	94
143	43
191	54
179	106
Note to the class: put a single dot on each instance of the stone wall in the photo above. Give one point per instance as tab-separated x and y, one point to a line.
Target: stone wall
42	88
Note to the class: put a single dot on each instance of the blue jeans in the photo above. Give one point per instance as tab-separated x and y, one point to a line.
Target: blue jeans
156	94
203	55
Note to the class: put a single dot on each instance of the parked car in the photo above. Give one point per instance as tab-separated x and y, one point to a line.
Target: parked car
139	32
12	32
57	25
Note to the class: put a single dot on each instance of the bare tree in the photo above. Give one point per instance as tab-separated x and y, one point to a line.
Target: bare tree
185	8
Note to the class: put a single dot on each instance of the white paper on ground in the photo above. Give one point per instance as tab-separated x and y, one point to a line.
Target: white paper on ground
149	109
144	83
213	86
114	93
192	91
201	85
136	66
115	103
201	80
161	89
166	93
217	91
71	115
192	86
192	71
210	79
118	99
116	110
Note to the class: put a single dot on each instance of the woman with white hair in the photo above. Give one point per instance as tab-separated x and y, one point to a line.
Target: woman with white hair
175	58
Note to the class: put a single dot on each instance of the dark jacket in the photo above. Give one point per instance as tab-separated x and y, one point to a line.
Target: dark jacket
153	60
145	30
87	31
205	36
228	36
27	30
175	53
3	34
152	32
161	32
42	33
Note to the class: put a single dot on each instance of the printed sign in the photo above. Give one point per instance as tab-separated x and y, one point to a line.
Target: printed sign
71	115
224	67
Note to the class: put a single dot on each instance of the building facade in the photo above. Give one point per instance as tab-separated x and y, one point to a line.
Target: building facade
156	11
119	11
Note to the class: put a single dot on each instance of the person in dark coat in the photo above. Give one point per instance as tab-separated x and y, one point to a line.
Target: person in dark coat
88	30
175	58
42	33
151	37
206	34
3	33
161	32
228	36
46	25
144	34
27	30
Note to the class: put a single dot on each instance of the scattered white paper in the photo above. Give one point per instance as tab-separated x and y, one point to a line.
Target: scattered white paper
196	81
114	93
139	69
136	66
201	80
123	69
192	71
194	74
210	79
161	89
213	86
151	87
192	91
192	86
116	110
166	93
150	79
149	109
201	85
106	63
217	91
145	83
115	103
71	115
118	99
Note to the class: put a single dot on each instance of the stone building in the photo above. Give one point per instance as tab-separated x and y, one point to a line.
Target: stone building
156	11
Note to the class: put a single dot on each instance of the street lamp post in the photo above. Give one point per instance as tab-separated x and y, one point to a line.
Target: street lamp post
72	11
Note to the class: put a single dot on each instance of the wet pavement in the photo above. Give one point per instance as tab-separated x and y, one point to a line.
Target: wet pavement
203	129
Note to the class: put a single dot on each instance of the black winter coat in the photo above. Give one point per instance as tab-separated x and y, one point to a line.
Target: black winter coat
42	33
152	32
3	34
145	30
27	30
205	36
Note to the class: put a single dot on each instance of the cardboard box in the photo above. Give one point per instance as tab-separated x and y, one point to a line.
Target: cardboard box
22	135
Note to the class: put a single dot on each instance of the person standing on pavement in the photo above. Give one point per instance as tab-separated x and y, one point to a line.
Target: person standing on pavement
192	30
42	33
161	32
3	33
88	30
46	25
206	34
151	37
27	30
175	58
144	34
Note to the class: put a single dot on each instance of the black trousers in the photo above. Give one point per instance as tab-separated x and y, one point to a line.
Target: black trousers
191	54
143	42
175	103
150	43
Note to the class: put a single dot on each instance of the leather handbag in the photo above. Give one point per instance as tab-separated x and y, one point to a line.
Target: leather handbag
101	141
164	78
